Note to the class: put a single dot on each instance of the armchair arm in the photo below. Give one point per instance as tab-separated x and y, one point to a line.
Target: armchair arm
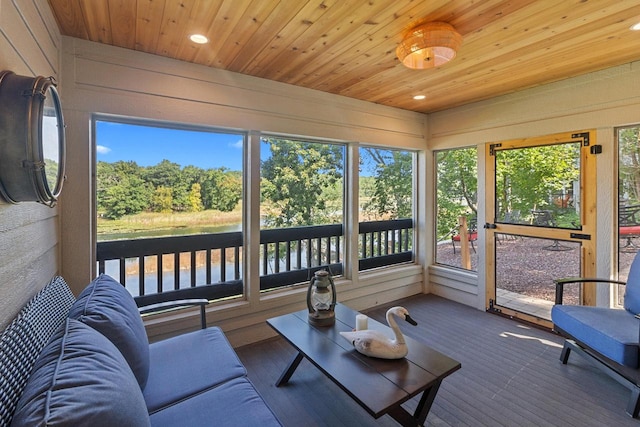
165	305
561	282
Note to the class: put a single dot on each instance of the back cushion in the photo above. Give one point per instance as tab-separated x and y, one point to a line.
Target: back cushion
23	340
81	379
109	308
632	291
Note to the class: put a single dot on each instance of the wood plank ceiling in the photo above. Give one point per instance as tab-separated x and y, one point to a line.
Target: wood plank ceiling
347	47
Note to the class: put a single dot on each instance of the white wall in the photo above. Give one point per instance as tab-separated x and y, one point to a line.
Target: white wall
108	80
602	100
29	232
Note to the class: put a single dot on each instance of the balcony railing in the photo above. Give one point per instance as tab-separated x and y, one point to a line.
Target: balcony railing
209	265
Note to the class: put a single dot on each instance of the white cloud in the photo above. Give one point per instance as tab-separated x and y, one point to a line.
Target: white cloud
237	144
101	149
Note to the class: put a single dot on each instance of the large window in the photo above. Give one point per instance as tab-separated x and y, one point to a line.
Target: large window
457	186
385	206
169	211
170	208
628	198
302	209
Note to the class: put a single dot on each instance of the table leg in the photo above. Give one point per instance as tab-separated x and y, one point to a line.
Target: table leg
422	410
428	396
403	417
290	370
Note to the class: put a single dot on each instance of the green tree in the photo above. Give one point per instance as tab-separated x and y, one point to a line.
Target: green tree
294	179
169	175
457	187
121	190
221	189
391	195
128	196
529	178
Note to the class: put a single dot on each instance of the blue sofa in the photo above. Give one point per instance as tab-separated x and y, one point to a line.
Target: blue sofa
87	361
608	337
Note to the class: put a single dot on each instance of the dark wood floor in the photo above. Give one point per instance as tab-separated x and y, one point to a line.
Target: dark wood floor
510	376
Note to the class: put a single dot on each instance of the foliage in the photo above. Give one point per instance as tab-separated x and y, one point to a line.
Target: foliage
629	165
457	187
526	179
169	175
121	190
162	199
529	178
221	189
195	198
295	178
392	189
125	188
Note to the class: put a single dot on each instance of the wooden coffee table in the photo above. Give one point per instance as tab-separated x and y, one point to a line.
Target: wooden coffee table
380	386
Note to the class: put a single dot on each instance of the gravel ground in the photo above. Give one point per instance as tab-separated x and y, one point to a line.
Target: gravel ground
529	266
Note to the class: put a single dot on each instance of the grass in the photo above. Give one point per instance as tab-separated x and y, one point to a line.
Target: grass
146	221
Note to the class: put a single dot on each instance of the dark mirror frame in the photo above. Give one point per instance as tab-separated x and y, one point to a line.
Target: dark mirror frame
23	166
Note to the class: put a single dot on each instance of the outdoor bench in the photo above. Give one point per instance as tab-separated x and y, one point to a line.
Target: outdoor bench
87	361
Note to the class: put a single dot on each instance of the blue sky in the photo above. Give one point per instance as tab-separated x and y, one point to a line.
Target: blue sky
148	146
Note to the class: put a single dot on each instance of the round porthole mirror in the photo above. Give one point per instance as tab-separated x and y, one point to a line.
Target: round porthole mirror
32	140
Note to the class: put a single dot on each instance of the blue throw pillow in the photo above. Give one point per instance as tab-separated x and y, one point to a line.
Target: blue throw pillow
81	379
632	291
109	308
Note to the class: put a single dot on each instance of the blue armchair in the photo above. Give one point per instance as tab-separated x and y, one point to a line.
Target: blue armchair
608	337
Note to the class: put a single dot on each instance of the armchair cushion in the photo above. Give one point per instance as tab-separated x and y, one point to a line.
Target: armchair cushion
109	308
81	378
632	291
613	333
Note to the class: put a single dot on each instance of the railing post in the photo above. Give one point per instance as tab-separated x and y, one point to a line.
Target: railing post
463	232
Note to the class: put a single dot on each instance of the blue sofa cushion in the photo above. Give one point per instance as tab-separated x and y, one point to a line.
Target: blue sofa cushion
109	308
234	403
81	379
632	291
189	364
613	333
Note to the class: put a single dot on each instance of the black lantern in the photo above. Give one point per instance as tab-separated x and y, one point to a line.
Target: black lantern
321	299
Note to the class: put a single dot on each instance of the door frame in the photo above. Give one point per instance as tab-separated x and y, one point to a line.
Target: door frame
588	179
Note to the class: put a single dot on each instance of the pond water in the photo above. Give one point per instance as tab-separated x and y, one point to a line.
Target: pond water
166	232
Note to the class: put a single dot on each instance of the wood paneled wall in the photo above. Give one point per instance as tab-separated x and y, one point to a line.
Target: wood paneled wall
29	232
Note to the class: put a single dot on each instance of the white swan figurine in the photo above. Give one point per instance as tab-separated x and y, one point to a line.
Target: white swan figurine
377	344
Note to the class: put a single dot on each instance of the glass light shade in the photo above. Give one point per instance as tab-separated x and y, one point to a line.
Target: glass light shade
429	45
321	299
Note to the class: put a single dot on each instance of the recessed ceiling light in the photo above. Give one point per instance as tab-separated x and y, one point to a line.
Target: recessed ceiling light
635	27
419	97
198	38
